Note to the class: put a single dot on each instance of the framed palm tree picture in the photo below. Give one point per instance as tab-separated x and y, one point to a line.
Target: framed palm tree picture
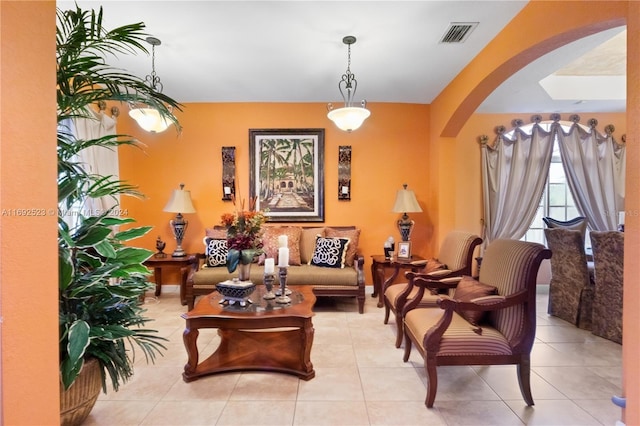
287	173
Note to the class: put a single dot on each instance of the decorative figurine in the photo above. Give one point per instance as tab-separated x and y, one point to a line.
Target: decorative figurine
160	245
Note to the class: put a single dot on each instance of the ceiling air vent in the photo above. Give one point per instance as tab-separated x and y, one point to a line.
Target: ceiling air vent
458	32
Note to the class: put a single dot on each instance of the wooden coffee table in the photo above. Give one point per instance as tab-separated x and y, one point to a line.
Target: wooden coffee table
264	336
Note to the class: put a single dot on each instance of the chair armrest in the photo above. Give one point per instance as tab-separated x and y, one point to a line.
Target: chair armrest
486	303
424	282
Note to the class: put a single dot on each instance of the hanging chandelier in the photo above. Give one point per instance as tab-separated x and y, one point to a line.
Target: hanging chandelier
147	117
349	117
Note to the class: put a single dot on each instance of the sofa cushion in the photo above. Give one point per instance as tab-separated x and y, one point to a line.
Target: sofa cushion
308	243
207	278
330	252
216	233
469	289
215	251
270	242
353	235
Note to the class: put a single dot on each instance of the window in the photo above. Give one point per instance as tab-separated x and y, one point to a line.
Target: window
557	201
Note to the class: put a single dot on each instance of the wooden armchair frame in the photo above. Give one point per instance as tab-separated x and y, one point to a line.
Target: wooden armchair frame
467	244
507	336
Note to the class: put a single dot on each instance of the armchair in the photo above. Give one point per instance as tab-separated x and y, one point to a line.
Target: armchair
450	335
608	258
571	289
456	253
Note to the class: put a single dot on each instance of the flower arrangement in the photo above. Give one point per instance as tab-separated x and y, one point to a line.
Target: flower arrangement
244	234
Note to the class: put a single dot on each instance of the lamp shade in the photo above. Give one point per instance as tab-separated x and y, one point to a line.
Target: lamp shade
349	118
406	202
180	202
149	119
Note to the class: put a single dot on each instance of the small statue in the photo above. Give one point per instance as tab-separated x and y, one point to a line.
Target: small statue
160	245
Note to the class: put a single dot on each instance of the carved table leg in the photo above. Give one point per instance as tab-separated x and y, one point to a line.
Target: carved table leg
190	338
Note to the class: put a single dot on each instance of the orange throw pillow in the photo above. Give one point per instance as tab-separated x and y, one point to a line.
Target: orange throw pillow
353	235
270	242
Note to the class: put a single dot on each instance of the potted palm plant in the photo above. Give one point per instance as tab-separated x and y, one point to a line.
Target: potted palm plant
102	278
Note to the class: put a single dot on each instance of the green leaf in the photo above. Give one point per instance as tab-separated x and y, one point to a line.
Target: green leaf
132	233
233	258
65	268
132	255
92	237
105	248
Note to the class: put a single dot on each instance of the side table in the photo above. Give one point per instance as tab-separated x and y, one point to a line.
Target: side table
157	263
378	272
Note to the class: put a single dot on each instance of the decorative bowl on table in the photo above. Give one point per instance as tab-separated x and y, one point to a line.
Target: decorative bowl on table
235	291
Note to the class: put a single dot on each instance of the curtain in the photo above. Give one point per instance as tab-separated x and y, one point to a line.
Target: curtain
514	172
98	160
595	169
515	169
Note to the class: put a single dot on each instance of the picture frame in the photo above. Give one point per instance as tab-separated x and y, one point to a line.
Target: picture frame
286	169
404	250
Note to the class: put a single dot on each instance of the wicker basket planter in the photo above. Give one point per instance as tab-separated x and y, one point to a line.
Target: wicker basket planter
77	402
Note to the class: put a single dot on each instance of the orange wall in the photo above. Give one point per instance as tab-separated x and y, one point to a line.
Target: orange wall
28	250
631	314
391	148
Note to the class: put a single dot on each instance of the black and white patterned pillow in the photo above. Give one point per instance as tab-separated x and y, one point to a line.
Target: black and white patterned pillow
330	252
215	251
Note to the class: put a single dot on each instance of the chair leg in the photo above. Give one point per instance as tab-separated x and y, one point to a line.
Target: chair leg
386	311
432	380
407	348
399	331
524	379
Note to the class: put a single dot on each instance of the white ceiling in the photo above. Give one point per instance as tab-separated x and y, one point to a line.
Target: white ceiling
292	51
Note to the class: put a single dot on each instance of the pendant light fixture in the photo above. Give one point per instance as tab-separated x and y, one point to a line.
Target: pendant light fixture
349	117
146	116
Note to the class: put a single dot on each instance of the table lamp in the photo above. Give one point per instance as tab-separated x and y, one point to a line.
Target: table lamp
180	202
405	203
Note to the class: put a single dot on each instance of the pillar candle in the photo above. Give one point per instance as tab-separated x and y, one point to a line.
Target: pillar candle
269	265
283	241
283	256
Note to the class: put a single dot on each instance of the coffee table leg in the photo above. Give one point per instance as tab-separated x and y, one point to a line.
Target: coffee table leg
190	338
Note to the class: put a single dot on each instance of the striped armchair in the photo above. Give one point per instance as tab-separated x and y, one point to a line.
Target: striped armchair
456	253
444	336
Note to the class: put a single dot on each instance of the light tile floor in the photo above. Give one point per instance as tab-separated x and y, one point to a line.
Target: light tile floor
361	380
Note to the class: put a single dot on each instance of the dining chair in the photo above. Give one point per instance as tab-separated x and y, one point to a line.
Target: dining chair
455	333
571	288
608	259
577	223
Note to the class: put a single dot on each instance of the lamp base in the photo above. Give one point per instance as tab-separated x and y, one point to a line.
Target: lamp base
179	227
178	252
405	226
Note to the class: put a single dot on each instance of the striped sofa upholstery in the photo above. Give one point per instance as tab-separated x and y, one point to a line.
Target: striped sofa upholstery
443	337
456	252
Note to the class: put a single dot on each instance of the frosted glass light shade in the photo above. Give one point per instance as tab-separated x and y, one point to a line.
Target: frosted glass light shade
348	118
149	119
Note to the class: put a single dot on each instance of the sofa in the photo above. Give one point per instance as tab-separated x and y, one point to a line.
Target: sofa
338	274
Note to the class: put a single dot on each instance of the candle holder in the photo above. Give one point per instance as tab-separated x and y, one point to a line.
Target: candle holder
269	279
282	293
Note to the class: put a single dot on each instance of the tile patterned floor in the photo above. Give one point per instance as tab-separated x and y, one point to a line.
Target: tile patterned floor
361	380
